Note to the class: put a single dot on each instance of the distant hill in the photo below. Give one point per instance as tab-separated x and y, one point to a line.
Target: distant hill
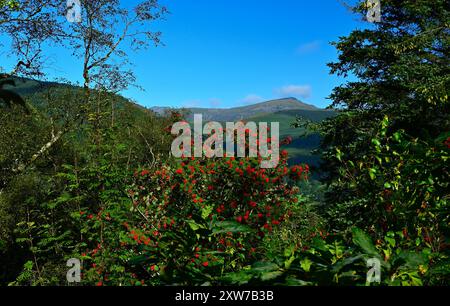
245	112
28	87
285	111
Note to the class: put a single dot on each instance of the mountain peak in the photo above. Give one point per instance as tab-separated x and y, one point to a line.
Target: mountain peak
281	104
287	98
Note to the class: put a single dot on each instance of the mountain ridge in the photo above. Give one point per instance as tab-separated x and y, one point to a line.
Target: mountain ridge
26	87
285	111
246	111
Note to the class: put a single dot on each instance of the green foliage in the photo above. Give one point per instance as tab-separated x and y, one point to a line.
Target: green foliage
386	152
12	4
87	170
93	179
198	221
331	260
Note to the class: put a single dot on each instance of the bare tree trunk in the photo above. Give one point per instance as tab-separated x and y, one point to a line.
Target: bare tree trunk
43	149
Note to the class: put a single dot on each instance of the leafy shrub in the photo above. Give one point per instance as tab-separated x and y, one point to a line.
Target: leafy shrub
199	220
401	184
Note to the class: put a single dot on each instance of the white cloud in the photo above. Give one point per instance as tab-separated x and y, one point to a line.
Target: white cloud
300	91
252	99
309	47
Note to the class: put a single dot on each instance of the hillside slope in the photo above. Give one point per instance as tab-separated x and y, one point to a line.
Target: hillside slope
285	111
28	88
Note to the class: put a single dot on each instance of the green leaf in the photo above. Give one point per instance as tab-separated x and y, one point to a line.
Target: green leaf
239	278
410	260
264	266
288	262
297	282
28	265
289	251
270	275
363	240
376	142
339	154
230	226
194	226
206	211
306	264
343	263
391	241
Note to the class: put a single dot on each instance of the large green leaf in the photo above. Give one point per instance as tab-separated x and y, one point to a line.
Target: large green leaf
361	239
230	226
410	260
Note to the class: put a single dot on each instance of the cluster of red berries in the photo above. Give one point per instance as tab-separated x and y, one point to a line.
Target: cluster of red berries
299	172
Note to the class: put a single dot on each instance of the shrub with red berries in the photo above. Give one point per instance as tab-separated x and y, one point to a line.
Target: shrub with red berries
208	215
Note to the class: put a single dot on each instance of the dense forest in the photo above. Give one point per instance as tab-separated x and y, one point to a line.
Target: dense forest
86	174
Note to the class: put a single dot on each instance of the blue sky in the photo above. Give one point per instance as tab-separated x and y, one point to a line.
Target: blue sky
225	53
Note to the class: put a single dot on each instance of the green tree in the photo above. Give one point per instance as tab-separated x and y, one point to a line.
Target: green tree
401	66
386	152
28	24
